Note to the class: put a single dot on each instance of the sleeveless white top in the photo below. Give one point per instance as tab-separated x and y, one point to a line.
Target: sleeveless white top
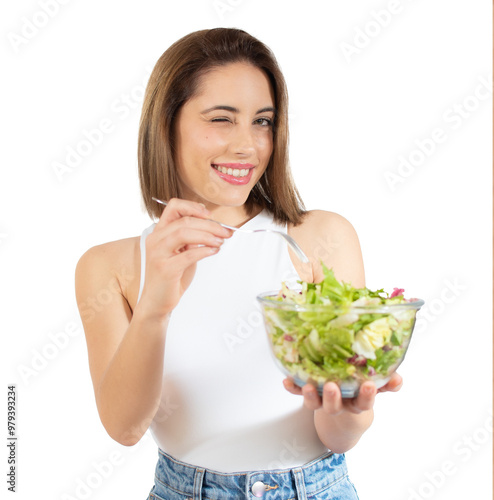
223	404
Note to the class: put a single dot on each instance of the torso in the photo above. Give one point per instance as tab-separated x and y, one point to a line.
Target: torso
282	415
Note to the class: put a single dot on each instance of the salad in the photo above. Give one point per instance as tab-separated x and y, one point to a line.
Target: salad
331	331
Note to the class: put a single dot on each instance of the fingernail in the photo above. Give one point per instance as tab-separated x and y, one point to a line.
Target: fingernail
311	395
369	391
219	241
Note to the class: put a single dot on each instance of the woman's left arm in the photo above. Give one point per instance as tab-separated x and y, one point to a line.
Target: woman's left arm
339	422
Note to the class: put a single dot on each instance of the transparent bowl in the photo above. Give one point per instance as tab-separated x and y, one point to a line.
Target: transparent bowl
314	343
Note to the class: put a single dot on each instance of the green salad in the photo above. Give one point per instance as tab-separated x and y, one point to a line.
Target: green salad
356	334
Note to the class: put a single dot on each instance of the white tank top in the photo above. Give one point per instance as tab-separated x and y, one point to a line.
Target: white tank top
223	404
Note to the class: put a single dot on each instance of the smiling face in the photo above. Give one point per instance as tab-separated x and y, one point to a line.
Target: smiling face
224	136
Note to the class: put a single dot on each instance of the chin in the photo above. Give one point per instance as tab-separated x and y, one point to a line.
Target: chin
230	201
227	198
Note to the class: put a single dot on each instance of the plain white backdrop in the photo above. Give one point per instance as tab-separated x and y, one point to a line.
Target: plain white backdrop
390	115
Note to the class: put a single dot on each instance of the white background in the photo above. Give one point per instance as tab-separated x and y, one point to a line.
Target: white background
352	117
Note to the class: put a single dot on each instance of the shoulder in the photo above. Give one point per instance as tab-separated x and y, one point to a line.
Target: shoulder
314	219
330	238
112	266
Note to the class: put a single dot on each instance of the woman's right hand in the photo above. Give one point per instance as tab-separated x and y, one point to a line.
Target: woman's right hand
181	238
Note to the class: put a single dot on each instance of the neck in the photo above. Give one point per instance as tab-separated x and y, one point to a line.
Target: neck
233	216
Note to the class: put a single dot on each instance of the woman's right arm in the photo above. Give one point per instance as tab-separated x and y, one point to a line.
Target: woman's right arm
125	349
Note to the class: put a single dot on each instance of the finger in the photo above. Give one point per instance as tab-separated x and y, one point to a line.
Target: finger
292	387
365	399
172	241
177	208
180	238
189	247
331	400
187	222
188	257
394	385
312	400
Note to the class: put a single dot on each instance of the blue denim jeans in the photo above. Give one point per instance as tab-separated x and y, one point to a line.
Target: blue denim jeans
326	478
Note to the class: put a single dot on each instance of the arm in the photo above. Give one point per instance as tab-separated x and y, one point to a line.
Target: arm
339	423
126	350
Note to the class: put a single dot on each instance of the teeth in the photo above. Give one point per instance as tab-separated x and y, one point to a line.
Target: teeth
235	172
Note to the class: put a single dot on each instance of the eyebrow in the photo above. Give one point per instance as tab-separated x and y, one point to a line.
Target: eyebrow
236	110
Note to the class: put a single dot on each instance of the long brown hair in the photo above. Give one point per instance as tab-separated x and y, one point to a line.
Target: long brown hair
174	81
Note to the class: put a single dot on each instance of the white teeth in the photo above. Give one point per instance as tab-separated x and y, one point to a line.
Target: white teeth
235	172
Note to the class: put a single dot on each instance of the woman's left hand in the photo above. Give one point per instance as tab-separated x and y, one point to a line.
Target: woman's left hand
332	402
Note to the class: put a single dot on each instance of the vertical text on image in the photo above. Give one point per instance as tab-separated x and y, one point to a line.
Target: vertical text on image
12	437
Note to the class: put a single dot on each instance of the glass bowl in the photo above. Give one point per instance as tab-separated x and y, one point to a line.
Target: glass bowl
314	343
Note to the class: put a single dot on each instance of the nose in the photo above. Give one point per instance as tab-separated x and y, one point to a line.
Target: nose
243	141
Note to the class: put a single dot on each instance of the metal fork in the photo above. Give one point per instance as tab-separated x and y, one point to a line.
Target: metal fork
291	242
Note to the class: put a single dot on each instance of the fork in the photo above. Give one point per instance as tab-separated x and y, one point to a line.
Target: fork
291	242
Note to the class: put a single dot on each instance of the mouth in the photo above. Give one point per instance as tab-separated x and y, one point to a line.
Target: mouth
234	173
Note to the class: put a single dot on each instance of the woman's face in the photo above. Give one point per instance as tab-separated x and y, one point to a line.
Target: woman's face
224	135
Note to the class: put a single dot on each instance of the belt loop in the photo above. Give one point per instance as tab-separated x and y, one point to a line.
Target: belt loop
299	483
198	478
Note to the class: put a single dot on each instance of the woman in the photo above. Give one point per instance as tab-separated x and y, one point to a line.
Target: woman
180	349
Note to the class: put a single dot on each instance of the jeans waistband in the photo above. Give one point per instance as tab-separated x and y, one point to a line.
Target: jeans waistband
299	482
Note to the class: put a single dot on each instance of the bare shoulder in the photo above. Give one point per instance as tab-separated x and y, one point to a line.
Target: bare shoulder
113	266
330	238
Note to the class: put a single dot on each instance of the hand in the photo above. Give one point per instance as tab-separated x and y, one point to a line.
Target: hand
332	402
181	238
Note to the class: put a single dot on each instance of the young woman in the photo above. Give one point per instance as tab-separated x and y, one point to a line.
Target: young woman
180	348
